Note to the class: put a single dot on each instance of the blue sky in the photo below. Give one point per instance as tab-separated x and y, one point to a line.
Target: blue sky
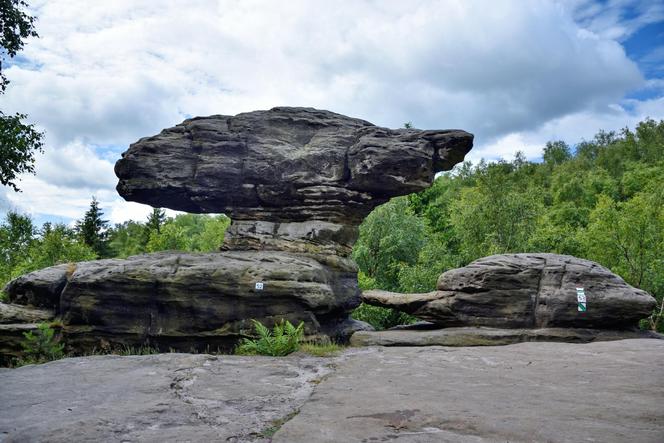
515	73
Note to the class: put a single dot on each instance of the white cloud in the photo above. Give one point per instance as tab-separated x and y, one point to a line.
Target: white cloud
108	73
572	128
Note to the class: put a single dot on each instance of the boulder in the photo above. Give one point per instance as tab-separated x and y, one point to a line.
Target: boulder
291	179
297	182
525	291
285	165
40	288
197	301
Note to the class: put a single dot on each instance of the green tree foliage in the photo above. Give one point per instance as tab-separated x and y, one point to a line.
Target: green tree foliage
18	144
16	236
15	27
602	201
93	229
189	232
41	345
126	239
18	141
56	245
390	238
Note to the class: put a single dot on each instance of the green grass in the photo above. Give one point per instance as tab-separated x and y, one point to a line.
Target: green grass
321	349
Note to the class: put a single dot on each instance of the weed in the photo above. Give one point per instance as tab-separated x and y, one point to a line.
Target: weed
321	347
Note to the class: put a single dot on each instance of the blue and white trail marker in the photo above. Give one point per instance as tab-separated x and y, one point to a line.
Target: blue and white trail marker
259	286
581	300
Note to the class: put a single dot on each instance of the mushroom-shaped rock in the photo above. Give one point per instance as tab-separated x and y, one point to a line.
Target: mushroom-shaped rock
292	179
525	291
285	165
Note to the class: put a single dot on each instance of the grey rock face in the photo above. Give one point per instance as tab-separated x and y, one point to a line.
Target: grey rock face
297	182
608	392
525	291
199	301
285	165
40	288
166	397
483	336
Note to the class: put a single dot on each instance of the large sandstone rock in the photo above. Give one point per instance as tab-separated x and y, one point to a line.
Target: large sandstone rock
525	291
285	165
185	301
291	179
297	182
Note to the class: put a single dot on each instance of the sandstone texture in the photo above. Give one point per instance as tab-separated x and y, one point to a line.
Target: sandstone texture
291	179
483	336
285	165
605	392
191	301
525	291
297	182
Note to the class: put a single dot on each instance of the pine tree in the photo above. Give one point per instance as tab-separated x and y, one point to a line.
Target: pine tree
156	220
92	229
154	223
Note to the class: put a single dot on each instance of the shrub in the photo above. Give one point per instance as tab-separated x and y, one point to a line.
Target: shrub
282	340
41	345
382	318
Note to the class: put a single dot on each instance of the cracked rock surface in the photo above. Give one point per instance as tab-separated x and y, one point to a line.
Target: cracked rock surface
166	397
286	164
529	392
186	300
525	291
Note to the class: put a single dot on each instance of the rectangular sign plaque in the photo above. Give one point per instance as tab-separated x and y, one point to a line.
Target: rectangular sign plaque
581	300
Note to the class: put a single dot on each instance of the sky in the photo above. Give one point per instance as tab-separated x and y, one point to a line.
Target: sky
515	73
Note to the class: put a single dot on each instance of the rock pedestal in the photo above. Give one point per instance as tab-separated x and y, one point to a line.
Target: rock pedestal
297	182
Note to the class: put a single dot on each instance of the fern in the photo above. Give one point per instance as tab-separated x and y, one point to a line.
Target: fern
282	340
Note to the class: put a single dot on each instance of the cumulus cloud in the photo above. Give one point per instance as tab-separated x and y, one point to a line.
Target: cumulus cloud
107	73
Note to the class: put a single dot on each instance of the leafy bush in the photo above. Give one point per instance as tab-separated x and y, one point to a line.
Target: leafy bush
382	318
282	340
41	345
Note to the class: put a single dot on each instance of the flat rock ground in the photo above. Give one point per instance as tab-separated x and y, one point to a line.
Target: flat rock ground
548	392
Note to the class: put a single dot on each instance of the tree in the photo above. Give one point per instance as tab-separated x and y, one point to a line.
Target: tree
58	244
556	153
92	229
391	237
126	239
16	236
15	26
155	220
18	141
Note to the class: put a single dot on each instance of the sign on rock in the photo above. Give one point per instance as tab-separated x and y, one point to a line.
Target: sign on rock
581	300
259	286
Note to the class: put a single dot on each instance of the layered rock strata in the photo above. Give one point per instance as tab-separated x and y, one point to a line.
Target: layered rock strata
297	182
525	291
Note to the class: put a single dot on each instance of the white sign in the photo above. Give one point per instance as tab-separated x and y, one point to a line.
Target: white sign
581	300
259	286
